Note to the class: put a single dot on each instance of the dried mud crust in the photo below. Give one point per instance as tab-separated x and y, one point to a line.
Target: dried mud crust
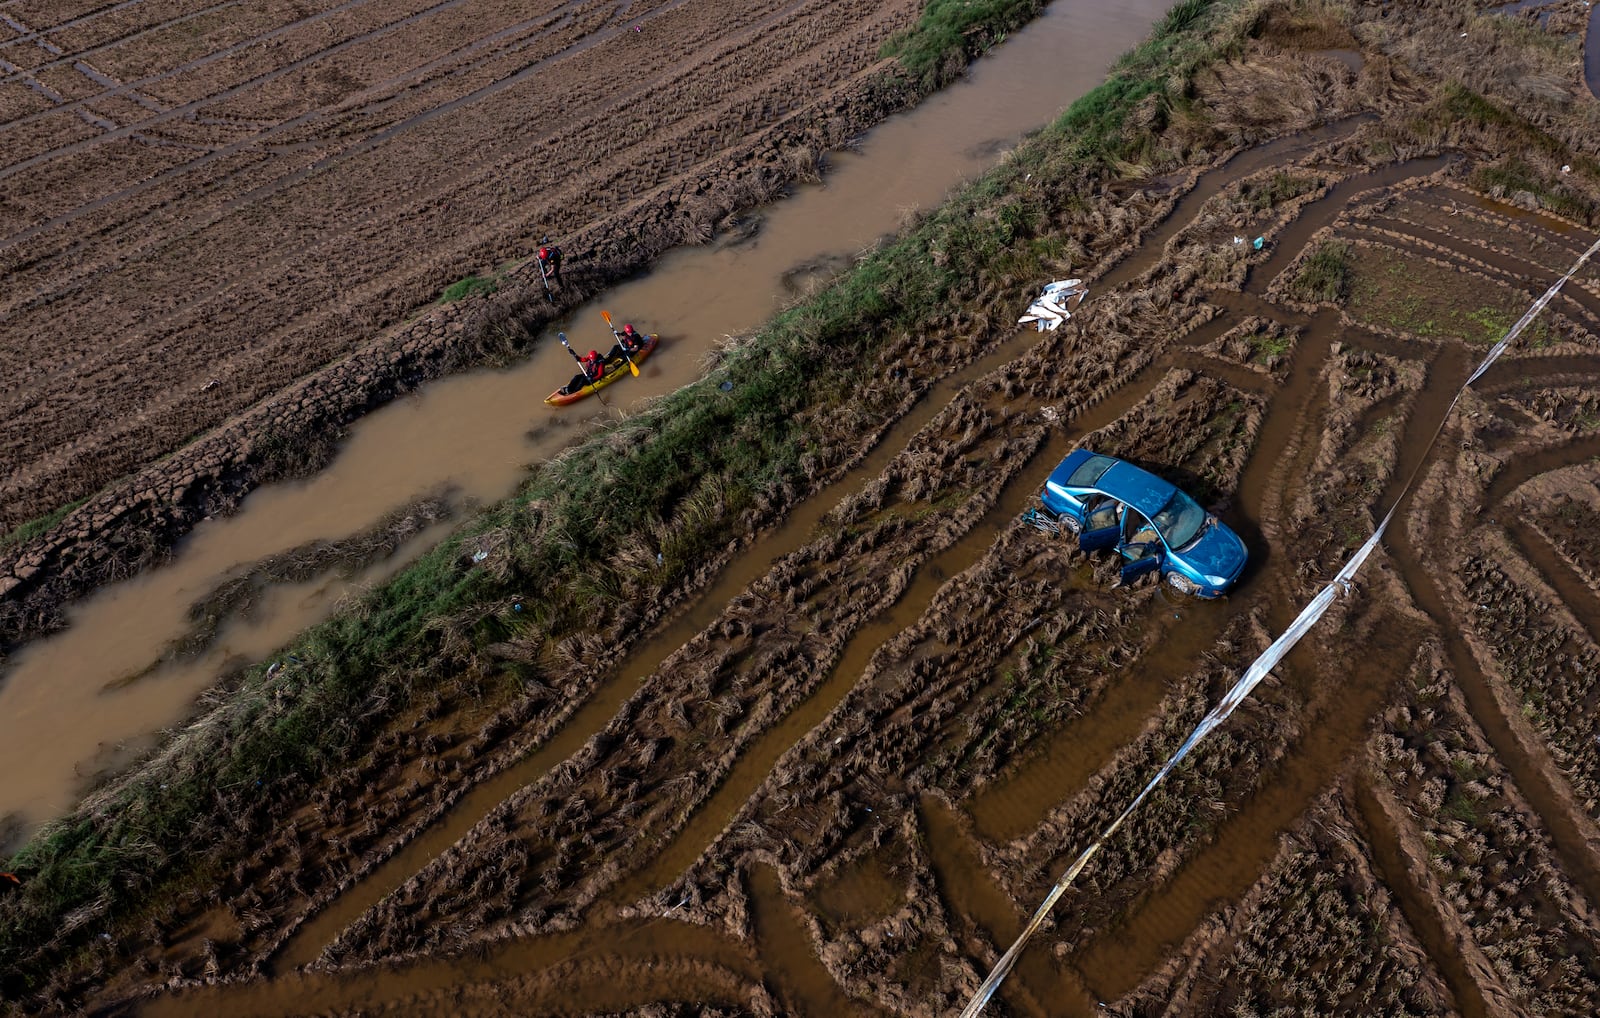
911	724
721	106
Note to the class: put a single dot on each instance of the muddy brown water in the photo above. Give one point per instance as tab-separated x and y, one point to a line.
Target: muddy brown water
1038	986
64	708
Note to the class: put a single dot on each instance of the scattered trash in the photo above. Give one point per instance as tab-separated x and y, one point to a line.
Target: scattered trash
726	386
516	606
479	555
658	558
1052	307
1260	242
1566	168
1463	35
272	669
1237	241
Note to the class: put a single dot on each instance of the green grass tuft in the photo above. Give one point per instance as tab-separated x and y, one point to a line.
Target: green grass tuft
1325	276
469	287
33	528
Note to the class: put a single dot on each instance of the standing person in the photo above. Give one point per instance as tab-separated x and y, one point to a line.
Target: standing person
550	262
591	368
628	342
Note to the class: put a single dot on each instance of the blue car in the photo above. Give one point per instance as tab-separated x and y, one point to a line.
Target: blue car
1110	503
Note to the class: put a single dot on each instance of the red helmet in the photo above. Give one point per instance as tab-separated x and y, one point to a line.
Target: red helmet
594	355
628	328
544	252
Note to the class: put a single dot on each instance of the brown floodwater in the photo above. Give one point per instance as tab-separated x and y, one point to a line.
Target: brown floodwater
66	709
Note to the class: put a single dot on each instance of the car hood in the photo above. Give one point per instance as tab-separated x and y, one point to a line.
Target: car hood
1219	552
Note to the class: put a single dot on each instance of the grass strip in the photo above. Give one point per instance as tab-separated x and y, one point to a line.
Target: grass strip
33	528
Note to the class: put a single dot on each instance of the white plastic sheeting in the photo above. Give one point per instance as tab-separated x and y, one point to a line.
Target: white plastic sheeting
1258	669
1055	305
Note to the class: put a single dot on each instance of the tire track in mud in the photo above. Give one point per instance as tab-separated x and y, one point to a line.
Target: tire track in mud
710	820
197	63
108	44
1149	248
1404	875
787	953
1519	269
1531	770
1526	466
1513	373
1571	591
602	704
1579	305
1163	918
970	891
1015	804
185	110
623	965
1290	804
1247	840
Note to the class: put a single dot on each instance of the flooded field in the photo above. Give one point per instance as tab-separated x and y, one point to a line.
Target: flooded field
71	706
873	729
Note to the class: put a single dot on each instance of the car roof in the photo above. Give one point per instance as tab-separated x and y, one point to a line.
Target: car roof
1139	488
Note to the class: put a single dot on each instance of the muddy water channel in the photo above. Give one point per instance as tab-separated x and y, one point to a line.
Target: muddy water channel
90	698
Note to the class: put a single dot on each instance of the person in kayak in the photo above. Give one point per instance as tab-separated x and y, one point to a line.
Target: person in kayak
628	342
591	367
550	262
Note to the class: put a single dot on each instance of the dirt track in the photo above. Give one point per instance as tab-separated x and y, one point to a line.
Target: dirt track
854	766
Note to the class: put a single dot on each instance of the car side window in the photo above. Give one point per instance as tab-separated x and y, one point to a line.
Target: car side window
1100	512
1139	537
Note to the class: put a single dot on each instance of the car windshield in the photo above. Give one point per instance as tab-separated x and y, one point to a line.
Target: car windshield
1179	520
1089	471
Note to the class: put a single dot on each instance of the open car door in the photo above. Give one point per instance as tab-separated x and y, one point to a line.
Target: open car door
1140	547
1101	524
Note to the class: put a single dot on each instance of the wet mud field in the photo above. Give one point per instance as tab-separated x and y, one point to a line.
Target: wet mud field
839	778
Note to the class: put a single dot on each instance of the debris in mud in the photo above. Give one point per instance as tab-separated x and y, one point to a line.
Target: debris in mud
1055	305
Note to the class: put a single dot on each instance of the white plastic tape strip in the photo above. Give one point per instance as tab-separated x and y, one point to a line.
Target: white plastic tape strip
1259	668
